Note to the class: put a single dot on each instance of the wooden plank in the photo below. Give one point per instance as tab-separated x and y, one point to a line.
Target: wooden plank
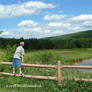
49	66
31	65
76	67
59	72
31	76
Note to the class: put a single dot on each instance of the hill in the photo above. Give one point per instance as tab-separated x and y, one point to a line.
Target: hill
75	40
78	35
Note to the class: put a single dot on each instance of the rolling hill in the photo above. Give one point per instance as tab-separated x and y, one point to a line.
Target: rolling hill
83	34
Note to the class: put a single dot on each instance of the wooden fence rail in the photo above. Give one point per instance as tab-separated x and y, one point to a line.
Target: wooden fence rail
59	68
31	65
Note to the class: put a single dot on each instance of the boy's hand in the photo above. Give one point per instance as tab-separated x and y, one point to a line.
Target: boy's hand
22	61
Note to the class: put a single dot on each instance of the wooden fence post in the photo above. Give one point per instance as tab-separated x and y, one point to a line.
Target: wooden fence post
59	78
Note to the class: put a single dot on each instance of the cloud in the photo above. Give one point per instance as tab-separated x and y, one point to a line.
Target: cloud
84	22
27	8
87	23
76	28
36	32
40	33
61	11
47	31
58	32
54	17
35	29
4	33
59	24
28	23
81	18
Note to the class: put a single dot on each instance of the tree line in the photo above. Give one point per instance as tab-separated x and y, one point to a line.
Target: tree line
47	43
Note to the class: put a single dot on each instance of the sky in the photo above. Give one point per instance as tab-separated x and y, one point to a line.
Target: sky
44	18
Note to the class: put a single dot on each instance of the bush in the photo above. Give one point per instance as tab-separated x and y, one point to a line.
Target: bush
47	57
10	52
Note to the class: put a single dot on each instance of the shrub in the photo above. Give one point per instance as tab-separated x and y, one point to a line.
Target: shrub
10	52
47	57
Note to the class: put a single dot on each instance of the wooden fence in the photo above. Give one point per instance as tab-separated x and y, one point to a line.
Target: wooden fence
59	68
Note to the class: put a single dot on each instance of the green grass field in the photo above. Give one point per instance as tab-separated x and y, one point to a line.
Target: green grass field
66	56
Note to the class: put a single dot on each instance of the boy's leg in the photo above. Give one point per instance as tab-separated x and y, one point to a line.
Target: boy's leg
13	65
13	69
19	66
20	70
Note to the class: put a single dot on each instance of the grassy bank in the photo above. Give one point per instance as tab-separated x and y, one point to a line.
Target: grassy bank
47	57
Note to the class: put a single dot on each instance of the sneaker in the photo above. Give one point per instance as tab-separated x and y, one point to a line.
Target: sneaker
21	74
14	74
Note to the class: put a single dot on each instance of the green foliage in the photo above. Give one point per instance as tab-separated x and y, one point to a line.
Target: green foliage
67	56
43	57
10	52
46	57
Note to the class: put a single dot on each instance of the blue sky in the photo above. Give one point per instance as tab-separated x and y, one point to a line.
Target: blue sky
44	18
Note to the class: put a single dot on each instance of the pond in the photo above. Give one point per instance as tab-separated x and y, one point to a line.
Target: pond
84	62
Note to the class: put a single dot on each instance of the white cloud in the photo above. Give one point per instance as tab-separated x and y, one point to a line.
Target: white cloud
27	23
35	29
27	8
87	23
59	24
36	32
58	32
81	18
47	31
54	17
4	33
75	28
61	11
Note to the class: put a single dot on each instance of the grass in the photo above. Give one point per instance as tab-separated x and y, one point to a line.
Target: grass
47	57
67	56
52	56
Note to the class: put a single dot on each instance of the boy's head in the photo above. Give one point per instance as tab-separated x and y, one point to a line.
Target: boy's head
22	44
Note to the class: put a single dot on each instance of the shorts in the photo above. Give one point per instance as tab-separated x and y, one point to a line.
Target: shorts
16	63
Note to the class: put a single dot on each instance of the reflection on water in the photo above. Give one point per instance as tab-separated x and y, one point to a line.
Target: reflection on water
86	63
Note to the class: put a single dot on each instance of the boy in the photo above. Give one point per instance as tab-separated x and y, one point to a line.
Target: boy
18	58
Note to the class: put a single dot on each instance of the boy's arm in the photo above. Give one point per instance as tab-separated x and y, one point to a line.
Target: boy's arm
22	59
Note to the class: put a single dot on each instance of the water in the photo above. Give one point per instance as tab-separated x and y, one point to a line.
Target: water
84	62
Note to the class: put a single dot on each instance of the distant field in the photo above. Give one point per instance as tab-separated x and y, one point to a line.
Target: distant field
66	56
